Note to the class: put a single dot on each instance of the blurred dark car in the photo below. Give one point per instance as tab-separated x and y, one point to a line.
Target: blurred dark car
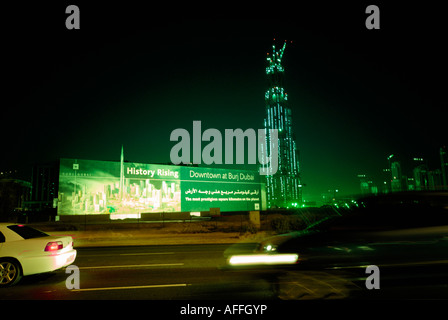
400	231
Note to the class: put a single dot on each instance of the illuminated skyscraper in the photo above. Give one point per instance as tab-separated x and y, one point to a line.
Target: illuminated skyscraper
284	187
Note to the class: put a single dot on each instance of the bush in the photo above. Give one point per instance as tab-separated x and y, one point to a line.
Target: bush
284	224
249	228
196	227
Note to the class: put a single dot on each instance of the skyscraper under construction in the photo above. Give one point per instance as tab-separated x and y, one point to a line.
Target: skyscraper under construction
283	188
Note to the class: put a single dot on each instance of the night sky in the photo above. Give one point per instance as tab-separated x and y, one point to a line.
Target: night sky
133	74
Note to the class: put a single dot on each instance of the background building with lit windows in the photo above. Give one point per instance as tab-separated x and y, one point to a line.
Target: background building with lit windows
444	166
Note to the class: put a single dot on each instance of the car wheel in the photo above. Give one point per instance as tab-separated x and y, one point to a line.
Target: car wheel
10	272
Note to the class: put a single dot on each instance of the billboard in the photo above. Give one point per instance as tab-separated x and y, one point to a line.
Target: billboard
107	187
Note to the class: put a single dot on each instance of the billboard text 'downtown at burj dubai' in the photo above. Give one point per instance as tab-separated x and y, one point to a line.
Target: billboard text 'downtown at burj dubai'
107	187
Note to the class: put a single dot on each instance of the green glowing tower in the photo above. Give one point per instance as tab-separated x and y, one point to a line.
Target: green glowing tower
284	188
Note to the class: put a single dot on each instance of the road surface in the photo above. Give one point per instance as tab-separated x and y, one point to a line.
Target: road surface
143	272
193	272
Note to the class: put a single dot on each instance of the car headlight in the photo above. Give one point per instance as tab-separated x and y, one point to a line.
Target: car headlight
270	248
263	259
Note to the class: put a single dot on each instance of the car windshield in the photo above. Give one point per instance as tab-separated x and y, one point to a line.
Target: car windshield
27	232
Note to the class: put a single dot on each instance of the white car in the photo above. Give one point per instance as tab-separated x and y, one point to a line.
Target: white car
26	251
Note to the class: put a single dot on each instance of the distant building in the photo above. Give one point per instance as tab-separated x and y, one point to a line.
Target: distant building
363	184
366	185
435	180
14	192
444	166
385	178
396	178
44	186
410	184
421	177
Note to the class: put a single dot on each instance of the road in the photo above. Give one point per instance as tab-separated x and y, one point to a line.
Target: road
193	272
144	272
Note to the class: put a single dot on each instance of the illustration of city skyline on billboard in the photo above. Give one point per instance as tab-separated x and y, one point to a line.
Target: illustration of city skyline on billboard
102	187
